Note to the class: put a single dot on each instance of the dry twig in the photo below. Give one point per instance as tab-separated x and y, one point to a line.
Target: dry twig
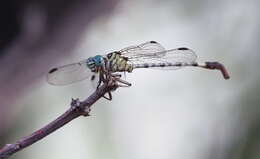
77	109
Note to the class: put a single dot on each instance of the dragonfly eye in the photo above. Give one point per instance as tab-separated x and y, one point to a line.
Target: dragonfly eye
98	60
90	61
91	64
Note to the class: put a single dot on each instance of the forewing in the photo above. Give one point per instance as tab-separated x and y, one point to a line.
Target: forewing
69	73
150	48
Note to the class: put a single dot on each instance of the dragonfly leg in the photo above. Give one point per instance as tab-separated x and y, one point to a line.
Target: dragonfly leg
104	77
113	79
99	81
109	96
117	77
124	83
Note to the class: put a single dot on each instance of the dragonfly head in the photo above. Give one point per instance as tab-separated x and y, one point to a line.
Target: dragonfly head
94	62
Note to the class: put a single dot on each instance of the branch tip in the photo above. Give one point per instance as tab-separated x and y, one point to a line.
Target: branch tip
218	66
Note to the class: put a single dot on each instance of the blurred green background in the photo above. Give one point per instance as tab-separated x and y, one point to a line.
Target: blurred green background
182	114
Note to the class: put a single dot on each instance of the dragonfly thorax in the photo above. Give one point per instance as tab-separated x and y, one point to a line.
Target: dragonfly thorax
93	63
117	63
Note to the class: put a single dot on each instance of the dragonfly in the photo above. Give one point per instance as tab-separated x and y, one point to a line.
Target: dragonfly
150	54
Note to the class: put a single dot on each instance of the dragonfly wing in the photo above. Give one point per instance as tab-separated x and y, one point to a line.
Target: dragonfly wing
150	48
178	55
69	73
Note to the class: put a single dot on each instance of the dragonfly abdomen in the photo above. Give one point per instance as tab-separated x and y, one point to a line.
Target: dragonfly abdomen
161	65
117	63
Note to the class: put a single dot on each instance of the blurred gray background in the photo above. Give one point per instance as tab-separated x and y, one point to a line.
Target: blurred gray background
183	114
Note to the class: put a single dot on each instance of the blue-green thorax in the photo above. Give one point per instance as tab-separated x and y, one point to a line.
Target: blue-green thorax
94	62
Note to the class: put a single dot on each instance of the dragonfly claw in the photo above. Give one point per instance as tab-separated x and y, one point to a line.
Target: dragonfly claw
119	82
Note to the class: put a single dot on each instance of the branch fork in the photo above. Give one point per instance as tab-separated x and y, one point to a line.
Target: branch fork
77	108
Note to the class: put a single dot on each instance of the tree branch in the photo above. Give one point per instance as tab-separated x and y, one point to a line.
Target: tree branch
77	109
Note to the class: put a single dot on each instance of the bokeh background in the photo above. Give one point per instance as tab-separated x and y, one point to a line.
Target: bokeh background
183	114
